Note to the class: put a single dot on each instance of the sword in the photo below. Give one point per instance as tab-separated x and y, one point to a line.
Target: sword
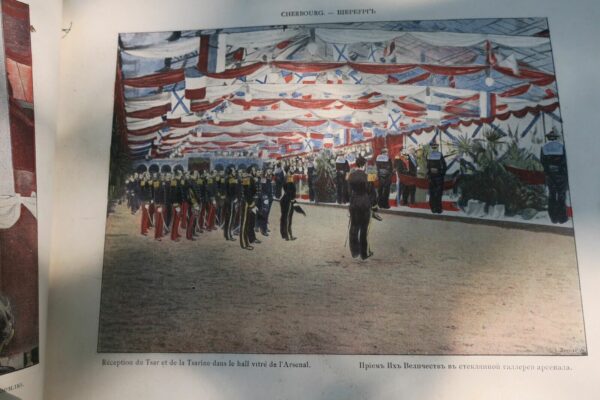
347	231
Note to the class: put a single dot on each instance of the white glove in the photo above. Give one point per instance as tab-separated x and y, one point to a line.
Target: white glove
146	206
178	209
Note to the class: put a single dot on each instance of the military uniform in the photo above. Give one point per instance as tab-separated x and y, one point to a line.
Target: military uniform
210	208
247	214
554	161
229	206
436	171
159	196
266	200
384	174
195	203
146	198
176	199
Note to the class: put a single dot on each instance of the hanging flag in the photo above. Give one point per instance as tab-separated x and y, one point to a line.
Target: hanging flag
179	104
195	84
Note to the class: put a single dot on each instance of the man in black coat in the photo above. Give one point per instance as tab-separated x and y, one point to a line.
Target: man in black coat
363	200
287	209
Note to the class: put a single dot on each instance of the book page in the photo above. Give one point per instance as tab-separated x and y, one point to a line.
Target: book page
460	291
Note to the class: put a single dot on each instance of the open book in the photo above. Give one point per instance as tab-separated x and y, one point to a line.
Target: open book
225	200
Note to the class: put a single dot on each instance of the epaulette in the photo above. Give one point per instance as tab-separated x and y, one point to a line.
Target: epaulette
232	181
209	181
174	182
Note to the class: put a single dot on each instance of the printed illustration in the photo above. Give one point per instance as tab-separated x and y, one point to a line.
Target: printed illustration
356	188
19	326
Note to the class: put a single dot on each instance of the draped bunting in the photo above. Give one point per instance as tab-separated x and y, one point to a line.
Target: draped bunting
156	80
166	49
362	104
236	72
177	123
308	104
169	77
415	79
457	102
536	77
145	131
423	183
460	111
242	135
205	106
516	91
151	112
527	176
235	104
254	103
306	66
410	106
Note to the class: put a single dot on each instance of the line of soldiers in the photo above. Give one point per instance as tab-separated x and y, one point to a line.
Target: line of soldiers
189	203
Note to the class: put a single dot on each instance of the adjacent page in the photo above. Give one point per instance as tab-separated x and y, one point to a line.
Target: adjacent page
222	126
26	141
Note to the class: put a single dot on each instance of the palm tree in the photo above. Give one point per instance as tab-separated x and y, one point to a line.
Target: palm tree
325	180
491	183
